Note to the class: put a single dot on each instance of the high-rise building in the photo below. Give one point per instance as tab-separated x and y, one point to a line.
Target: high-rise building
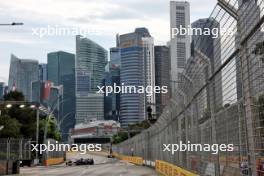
210	47
137	69
149	70
112	76
179	44
115	56
162	76
43	74
22	73
90	63
61	71
5	89
112	100
50	96
2	90
36	91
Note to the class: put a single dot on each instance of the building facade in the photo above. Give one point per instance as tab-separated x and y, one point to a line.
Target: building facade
2	90
137	69
43	73
36	91
22	73
90	63
115	57
61	71
179	44
112	100
162	76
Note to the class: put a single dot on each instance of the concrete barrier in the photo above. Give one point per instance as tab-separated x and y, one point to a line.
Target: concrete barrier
168	169
132	159
9	167
3	167
53	161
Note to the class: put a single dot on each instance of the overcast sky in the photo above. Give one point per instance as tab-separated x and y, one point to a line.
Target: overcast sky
102	18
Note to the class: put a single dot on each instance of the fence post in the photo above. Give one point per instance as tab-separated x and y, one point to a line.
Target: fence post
248	109
7	149
20	148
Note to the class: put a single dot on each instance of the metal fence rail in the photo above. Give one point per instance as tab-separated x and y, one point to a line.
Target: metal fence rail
15	149
219	100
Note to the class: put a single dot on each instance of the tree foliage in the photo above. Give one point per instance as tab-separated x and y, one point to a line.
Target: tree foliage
132	130
21	122
14	96
11	127
120	137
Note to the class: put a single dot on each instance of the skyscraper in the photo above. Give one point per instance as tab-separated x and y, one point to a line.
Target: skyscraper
43	74
61	72
112	76
36	91
115	57
22	73
90	64
2	89
162	75
5	89
179	44
112	100
137	69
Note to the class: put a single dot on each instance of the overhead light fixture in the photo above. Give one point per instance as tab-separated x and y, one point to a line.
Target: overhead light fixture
32	106
9	106
22	106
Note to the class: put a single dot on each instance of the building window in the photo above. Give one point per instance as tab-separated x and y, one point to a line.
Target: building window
181	54
180	8
180	19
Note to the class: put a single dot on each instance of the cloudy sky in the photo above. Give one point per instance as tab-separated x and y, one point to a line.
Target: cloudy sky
99	19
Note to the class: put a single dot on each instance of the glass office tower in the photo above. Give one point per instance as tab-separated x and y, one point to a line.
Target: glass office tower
22	73
61	72
137	69
90	63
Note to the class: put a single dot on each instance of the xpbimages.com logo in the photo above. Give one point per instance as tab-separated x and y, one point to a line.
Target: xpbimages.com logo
213	32
63	31
82	148
149	90
182	147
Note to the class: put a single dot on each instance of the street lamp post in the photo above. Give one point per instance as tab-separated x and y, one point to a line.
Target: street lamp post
11	24
37	134
63	118
50	112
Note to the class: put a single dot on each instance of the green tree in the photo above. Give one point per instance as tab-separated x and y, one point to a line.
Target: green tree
11	127
24	120
52	130
14	96
145	124
120	137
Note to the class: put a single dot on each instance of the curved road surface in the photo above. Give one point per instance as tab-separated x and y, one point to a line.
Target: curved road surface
103	167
